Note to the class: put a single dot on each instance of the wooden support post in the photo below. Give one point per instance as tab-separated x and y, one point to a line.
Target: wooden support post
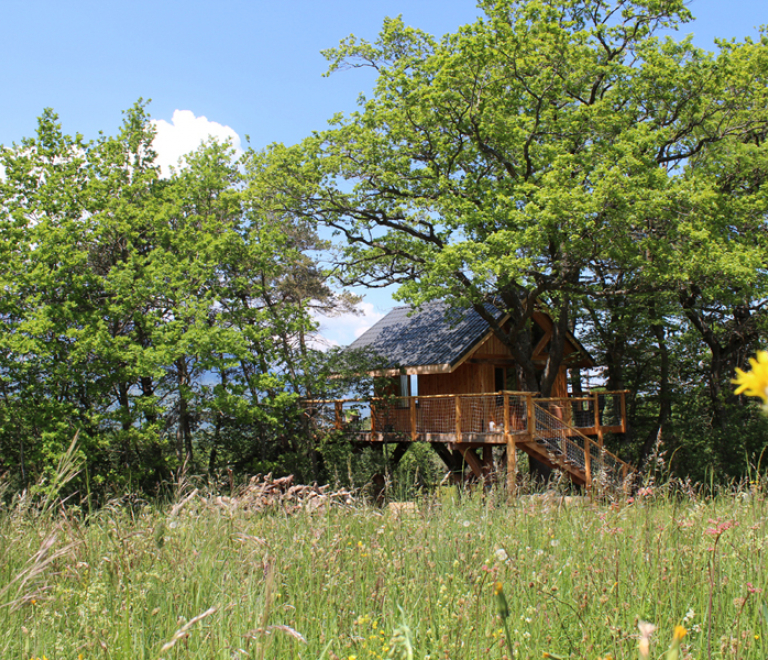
624	412
488	464
511	465
588	463
509	439
458	418
471	459
598	424
531	416
506	414
414	433
399	452
338	412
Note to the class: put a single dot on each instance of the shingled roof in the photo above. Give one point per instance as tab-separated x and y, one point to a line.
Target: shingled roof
436	335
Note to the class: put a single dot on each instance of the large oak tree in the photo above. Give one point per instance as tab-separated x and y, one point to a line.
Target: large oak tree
530	156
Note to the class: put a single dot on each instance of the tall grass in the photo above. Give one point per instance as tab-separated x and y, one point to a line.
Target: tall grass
358	582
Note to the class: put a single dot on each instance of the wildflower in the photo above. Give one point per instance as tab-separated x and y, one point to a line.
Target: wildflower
755	382
501	554
646	630
720	527
674	647
501	601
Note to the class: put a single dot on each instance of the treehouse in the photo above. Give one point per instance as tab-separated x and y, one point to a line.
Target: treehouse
443	377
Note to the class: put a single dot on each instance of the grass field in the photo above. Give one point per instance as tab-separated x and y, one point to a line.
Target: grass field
136	582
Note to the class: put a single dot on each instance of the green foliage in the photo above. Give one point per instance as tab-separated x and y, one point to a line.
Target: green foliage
554	152
164	320
561	151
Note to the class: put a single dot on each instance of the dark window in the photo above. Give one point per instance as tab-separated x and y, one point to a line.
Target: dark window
499	379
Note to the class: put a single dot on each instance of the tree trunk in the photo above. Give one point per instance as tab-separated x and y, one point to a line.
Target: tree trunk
665	401
183	428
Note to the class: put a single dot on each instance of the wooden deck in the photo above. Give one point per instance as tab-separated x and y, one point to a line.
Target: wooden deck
564	433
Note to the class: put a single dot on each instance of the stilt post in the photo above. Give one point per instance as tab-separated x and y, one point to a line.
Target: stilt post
623	412
458	418
338	411
598	424
531	415
509	439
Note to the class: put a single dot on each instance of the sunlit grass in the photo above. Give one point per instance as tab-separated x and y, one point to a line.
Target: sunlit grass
358	582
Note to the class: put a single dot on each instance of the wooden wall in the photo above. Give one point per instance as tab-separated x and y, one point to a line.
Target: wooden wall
467	379
476	375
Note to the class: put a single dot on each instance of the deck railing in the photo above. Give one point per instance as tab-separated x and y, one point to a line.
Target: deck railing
561	426
467	414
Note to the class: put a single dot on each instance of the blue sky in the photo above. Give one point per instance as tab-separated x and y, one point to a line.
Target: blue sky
237	67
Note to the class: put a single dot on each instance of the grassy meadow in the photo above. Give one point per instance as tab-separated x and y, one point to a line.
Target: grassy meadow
360	582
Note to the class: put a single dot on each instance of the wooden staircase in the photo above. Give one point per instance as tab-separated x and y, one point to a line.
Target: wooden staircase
560	446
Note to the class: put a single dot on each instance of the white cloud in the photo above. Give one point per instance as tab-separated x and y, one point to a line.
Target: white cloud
343	330
184	134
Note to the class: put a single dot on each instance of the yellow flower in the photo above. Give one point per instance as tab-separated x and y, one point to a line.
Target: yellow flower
501	601
680	632
755	382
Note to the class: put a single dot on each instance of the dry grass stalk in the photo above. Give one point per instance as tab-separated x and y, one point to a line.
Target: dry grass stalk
182	632
36	568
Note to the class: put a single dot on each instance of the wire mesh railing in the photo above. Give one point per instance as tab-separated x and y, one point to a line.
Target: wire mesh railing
610	408
567	445
418	415
552	433
464	413
598	410
487	418
435	415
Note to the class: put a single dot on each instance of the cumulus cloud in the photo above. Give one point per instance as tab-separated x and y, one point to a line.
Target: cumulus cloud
344	329
184	134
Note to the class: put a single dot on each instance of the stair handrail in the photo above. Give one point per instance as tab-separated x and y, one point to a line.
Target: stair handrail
587	440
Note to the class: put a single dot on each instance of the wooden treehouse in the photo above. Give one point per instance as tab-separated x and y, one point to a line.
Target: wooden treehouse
447	380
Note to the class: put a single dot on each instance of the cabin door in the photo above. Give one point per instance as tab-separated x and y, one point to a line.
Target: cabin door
505	378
